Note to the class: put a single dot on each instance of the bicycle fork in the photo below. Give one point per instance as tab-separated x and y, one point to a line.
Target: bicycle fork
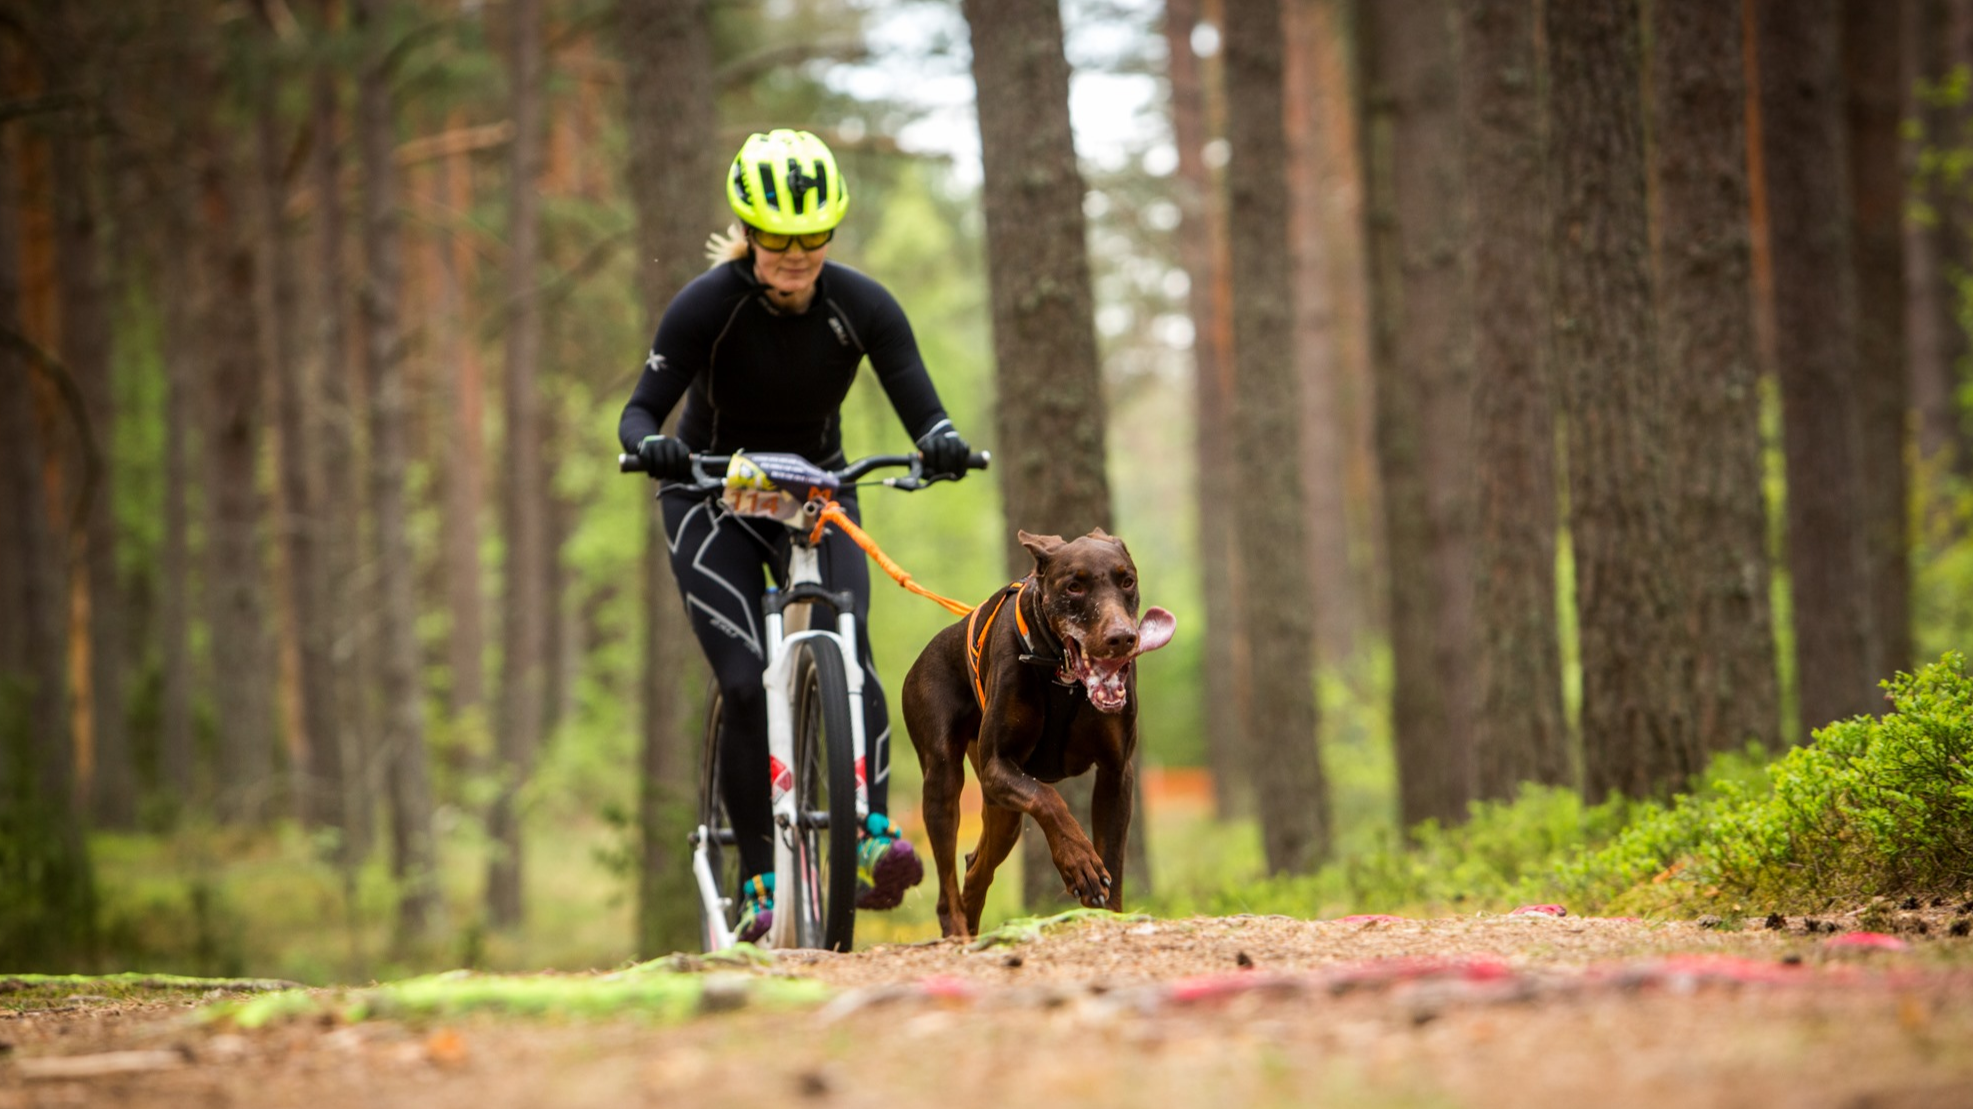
795	873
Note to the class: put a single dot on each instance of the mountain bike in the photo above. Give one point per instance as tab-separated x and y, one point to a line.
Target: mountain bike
817	751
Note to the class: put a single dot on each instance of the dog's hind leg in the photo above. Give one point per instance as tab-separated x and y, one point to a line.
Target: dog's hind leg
1000	830
944	778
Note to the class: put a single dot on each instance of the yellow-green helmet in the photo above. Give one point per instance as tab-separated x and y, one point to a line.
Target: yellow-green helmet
787	182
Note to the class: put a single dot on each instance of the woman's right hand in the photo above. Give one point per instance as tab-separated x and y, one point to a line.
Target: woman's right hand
665	457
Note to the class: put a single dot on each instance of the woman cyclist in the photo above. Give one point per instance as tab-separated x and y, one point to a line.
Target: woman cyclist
763	348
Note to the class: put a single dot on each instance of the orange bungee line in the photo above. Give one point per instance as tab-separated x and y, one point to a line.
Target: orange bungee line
832	513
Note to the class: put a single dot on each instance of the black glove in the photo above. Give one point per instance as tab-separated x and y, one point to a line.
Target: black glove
665	457
945	453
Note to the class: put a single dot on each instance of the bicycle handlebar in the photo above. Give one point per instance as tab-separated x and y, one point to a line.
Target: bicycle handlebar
709	470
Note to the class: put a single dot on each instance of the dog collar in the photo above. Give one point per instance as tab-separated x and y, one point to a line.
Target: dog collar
1058	658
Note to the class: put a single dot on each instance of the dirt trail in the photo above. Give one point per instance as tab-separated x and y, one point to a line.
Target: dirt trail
1470	1011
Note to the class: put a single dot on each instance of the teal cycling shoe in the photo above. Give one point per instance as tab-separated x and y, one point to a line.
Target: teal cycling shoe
886	864
756	908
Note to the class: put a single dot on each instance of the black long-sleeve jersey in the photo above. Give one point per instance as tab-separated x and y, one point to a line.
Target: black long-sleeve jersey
755	378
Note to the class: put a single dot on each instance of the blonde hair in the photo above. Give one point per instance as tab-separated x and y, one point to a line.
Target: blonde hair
726	246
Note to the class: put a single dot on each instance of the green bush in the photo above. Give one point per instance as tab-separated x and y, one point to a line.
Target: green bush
1872	807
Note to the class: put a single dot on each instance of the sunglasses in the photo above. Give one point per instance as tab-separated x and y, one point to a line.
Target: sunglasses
774	242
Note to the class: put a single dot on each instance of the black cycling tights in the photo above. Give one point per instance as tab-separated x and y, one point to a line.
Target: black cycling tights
721	562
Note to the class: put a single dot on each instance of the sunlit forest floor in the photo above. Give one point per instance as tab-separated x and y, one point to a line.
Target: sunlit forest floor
230	903
1478	1010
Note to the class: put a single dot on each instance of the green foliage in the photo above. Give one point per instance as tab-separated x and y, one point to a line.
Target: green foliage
1942	578
1028	929
34	991
653	990
47	886
1873	807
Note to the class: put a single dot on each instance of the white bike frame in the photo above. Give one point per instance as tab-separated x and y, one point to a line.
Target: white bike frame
792	873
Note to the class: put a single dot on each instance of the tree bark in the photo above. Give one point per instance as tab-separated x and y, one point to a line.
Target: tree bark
1274	594
39	757
1051	421
462	475
319	773
1312	82
1875	76
177	758
1941	243
1423	382
85	349
402	736
235	564
1638	736
342	494
48	884
1805	152
674	159
1710	364
522	679
1519	734
1201	247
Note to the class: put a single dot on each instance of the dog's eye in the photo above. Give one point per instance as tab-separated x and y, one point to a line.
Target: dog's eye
1128	582
1074	587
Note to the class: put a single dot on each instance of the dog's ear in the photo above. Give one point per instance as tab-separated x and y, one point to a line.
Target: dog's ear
1042	547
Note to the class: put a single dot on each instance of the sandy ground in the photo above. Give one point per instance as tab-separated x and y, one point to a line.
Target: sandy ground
1518	1010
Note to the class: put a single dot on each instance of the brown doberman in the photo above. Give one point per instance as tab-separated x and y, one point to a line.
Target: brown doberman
1035	686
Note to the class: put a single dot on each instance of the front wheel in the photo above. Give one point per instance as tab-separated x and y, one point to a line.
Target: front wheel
825	785
722	851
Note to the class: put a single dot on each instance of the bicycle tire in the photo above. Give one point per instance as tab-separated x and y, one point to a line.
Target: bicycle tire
825	788
723	856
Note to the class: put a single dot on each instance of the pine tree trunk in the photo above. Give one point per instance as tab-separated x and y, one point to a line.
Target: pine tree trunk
1312	229
1519	734
34	680
47	879
1876	78
1637	729
1274	593
1201	247
319	773
1051	421
1424	433
177	759
235	563
1710	363
673	155
1805	152
402	736
461	445
1941	245
85	348
342	495
524	632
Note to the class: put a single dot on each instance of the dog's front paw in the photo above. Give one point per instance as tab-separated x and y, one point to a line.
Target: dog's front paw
1084	875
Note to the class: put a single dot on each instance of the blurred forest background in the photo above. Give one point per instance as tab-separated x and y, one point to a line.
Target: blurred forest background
1504	395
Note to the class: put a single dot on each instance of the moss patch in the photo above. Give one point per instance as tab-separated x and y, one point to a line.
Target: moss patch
666	990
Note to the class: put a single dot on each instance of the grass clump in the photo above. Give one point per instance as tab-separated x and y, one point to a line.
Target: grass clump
1029	929
19	992
654	990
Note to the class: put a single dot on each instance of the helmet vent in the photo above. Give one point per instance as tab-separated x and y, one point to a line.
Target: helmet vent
799	183
767	194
